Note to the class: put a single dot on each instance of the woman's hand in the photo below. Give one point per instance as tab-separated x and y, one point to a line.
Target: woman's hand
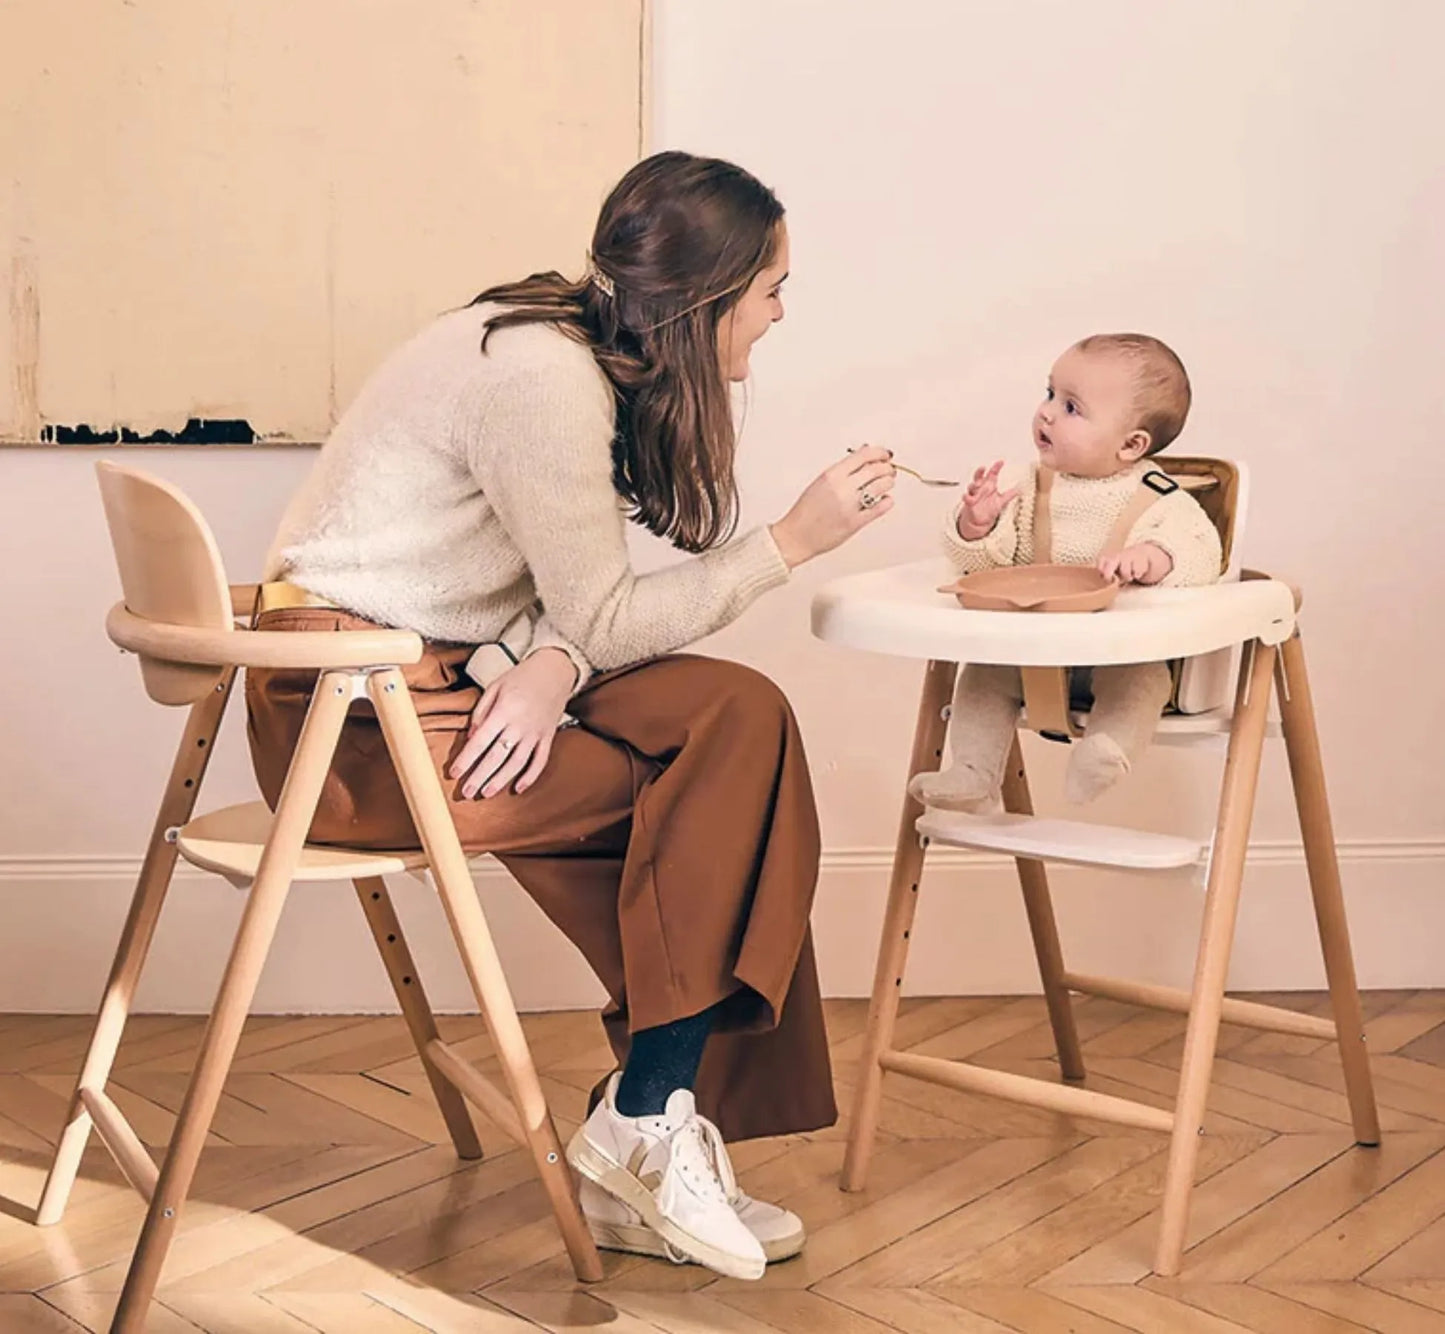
1143	563
847	497
983	502
514	724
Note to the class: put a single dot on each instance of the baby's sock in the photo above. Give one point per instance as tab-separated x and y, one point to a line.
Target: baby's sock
960	787
985	715
1095	764
1127	702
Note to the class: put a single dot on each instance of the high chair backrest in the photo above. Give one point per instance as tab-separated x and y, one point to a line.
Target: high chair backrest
1221	487
170	572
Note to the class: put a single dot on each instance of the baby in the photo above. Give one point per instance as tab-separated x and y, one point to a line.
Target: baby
1113	401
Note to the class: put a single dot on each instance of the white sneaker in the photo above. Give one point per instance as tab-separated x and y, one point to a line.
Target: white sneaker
615	1227
671	1171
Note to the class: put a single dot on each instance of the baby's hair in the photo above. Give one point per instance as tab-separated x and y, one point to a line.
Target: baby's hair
1161	384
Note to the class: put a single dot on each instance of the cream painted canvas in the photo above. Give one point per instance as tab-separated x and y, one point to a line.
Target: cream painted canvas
216	215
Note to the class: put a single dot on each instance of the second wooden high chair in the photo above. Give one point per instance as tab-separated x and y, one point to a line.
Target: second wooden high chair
895	611
180	617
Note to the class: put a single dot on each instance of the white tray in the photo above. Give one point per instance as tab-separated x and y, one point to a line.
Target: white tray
897	610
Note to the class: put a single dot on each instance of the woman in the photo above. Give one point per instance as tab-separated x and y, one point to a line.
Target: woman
476	492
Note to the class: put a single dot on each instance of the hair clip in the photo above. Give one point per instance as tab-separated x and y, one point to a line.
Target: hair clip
600	280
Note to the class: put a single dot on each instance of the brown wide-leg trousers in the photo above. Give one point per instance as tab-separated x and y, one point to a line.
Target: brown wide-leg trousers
672	837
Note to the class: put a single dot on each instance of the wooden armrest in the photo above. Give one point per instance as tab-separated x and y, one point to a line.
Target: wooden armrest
320	649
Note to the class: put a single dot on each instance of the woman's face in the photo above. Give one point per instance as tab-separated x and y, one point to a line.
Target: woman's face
759	307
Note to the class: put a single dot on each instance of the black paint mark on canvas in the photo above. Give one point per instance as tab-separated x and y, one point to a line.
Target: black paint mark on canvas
196	431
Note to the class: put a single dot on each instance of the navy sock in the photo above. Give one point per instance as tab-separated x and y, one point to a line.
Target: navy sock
662	1059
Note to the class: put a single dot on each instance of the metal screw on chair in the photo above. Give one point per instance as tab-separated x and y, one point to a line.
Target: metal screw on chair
551	1157
390	686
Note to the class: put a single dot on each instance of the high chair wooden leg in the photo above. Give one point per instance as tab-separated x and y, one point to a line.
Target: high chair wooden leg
1034	881
401	970
453	877
928	734
1221	906
177	803
267	897
1307	772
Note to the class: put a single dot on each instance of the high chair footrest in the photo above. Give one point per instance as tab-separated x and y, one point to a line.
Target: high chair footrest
1042	838
230	841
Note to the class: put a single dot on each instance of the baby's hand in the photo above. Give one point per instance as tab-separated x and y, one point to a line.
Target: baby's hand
983	502
1143	563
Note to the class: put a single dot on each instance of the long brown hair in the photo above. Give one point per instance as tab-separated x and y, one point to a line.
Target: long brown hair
677	243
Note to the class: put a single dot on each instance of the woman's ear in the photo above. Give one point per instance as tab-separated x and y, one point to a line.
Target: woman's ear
1136	446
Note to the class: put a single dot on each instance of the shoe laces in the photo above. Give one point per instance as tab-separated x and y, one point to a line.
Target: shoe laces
701	1156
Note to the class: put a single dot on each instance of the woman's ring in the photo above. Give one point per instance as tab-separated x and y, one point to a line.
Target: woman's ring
504	743
866	500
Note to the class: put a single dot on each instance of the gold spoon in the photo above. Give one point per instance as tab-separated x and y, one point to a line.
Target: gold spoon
913	472
927	481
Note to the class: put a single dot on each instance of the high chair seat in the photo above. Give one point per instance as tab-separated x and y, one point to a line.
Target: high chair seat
1045	839
230	841
1184	729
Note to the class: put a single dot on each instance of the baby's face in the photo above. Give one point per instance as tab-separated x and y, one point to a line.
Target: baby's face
1087	420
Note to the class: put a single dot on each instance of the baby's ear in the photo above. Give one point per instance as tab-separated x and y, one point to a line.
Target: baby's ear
1136	445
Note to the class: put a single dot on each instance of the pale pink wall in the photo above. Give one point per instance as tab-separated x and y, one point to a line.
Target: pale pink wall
970	187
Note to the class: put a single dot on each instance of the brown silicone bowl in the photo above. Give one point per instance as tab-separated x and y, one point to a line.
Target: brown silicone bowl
1034	588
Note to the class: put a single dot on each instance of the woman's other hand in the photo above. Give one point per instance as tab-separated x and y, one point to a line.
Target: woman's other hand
514	724
838	503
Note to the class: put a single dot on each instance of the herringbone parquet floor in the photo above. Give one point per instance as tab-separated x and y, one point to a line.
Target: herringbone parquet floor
330	1199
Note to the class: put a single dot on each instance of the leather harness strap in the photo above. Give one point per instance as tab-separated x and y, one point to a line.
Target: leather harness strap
1046	689
1152	487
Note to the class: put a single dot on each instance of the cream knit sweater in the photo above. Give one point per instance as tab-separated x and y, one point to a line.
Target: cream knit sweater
461	491
1083	511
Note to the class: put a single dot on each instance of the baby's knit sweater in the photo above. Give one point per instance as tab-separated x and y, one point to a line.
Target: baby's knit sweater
1083	511
461	490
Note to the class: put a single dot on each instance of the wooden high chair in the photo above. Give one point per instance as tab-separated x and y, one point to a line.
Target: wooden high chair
898	611
180	617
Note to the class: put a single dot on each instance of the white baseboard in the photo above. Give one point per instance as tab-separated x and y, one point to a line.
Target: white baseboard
63	915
